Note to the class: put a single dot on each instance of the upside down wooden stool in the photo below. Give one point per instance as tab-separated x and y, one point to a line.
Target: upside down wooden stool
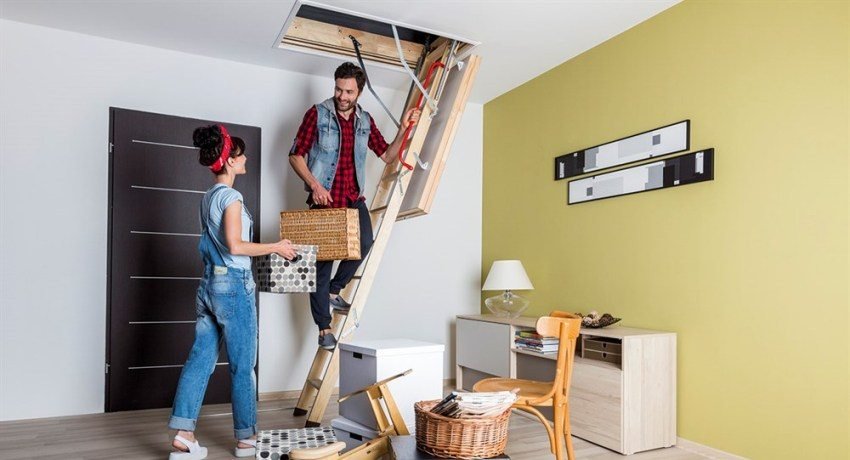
390	423
553	394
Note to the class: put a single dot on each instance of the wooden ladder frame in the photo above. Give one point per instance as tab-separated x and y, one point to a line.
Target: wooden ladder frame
384	212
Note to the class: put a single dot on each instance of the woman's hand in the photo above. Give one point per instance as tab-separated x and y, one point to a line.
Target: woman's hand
237	247
284	249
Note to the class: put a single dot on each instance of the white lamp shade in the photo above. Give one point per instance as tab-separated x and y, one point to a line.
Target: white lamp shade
507	275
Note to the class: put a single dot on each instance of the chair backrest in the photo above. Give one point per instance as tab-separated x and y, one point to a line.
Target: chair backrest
563	314
566	327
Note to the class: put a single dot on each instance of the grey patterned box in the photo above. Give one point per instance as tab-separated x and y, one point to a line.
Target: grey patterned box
278	275
276	444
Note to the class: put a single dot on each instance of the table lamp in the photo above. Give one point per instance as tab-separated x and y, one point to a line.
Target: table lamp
507	276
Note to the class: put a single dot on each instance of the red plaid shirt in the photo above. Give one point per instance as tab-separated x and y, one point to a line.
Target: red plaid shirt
345	189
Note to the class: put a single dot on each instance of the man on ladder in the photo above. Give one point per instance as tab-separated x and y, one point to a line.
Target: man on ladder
333	137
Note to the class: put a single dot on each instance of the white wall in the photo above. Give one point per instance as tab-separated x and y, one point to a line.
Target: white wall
55	91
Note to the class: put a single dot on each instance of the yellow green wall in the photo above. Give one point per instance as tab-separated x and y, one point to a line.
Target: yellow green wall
751	270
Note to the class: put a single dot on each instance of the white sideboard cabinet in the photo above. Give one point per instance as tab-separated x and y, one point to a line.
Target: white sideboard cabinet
623	392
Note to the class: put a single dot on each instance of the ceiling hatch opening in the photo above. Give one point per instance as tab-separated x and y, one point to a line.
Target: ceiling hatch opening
325	30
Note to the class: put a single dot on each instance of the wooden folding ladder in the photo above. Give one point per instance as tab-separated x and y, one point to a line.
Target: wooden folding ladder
384	212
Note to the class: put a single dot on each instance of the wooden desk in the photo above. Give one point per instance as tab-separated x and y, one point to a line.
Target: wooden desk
627	407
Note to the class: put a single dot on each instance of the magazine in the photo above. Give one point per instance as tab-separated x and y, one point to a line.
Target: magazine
460	405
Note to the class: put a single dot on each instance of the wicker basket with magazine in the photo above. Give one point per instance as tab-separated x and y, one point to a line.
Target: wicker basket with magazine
464	438
335	231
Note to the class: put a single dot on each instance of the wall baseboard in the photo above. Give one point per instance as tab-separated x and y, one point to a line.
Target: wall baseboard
290	394
295	394
705	451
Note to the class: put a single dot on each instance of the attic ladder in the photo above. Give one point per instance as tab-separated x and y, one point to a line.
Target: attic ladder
384	211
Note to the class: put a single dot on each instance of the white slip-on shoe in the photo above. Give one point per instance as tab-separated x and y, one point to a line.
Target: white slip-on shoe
196	452
245	451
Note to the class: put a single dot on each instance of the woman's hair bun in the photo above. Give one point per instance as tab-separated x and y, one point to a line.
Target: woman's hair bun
207	139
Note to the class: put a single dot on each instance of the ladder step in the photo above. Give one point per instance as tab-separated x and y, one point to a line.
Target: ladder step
378	210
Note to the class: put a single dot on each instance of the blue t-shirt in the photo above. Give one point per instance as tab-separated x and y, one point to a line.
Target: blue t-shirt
215	201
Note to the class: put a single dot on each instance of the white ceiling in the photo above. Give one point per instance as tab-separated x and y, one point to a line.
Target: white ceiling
520	39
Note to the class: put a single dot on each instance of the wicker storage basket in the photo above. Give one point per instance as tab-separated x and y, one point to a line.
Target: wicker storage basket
335	231
465	438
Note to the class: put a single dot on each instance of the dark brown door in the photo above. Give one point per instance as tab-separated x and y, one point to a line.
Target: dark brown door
155	187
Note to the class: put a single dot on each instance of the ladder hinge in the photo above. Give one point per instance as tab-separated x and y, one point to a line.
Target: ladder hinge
110	147
106	370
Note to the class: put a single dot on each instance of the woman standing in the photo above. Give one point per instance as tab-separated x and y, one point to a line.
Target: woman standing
225	301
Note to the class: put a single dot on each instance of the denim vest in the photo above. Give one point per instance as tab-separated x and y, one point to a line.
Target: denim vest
324	155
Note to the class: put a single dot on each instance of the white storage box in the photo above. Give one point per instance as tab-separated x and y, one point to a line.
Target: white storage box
364	362
352	433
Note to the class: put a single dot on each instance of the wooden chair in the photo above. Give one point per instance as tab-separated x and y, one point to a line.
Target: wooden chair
390	423
553	394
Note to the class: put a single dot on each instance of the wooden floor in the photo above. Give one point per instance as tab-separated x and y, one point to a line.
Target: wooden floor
143	435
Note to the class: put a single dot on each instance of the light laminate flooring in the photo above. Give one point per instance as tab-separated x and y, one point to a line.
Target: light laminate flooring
144	435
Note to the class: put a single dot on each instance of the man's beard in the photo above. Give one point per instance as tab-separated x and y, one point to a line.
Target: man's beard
339	106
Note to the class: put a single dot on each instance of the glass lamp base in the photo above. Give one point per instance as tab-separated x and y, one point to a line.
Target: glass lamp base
507	304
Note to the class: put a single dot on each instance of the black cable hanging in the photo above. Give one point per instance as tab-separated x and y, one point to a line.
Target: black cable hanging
368	83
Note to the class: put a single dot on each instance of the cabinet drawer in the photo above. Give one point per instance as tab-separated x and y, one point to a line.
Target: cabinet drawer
483	346
604	356
602	344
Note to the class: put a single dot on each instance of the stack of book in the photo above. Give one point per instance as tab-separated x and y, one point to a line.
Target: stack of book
532	341
461	405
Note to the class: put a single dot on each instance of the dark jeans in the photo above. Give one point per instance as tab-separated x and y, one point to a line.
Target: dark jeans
320	300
